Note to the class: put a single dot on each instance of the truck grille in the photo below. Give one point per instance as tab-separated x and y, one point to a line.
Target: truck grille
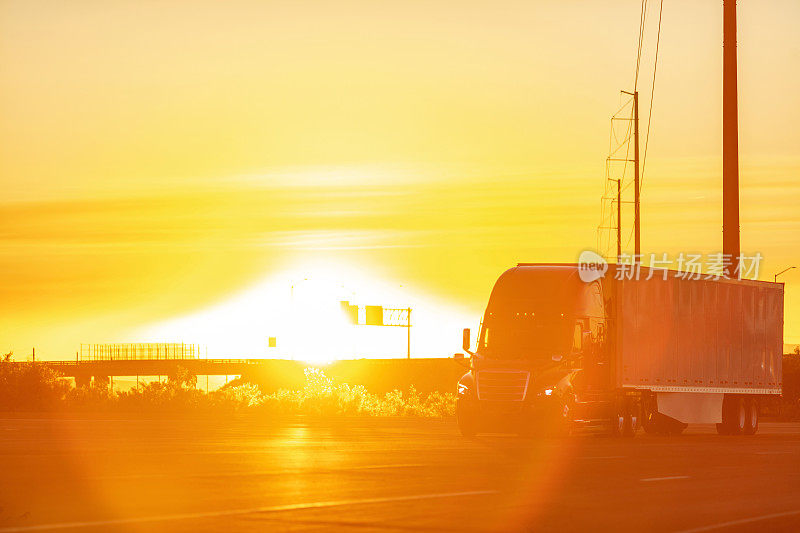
502	385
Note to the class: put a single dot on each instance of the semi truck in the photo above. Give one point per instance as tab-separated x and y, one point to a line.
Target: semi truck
616	352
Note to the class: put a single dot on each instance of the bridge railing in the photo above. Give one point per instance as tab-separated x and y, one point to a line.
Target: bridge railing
177	361
139	351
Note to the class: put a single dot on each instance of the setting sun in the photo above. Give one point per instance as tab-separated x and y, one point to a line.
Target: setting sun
301	308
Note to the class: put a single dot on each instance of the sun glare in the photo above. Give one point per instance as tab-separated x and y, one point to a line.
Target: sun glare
301	311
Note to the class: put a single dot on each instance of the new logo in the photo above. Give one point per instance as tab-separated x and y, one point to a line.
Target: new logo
591	266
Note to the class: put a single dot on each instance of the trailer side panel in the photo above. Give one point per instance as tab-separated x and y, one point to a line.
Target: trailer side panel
702	335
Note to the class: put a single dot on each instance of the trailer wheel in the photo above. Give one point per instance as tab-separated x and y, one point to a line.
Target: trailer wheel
724	428
623	423
617	425
633	416
751	418
629	428
740	418
617	420
734	415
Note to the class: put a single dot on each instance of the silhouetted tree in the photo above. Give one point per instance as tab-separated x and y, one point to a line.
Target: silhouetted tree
29	387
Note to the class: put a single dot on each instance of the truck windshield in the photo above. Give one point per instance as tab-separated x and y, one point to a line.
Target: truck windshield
524	336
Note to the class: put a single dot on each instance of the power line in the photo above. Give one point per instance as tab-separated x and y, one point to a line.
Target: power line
642	17
626	141
652	92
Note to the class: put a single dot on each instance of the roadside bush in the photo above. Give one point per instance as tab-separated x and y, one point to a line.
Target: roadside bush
30	387
237	398
322	397
97	396
178	393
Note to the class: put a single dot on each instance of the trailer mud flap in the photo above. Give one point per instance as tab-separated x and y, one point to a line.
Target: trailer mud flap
691	407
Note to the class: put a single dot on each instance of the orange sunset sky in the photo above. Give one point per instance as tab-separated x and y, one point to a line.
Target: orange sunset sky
169	168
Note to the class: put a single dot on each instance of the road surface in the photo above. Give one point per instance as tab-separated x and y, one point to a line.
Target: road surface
386	475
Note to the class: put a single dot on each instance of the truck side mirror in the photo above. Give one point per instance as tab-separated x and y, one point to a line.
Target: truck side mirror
465	340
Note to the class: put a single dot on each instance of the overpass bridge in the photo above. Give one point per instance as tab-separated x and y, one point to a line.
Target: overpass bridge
377	375
104	361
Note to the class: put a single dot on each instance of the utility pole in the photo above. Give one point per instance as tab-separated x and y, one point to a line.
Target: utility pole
730	140
637	234
619	218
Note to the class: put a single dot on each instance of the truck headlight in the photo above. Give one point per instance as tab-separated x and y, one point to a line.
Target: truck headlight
462	389
548	392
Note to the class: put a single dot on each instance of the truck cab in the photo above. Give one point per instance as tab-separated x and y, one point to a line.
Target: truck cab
542	345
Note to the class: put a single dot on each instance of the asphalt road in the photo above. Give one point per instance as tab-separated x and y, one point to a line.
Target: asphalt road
385	475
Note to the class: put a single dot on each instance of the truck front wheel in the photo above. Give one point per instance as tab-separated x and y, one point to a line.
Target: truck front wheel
467	418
